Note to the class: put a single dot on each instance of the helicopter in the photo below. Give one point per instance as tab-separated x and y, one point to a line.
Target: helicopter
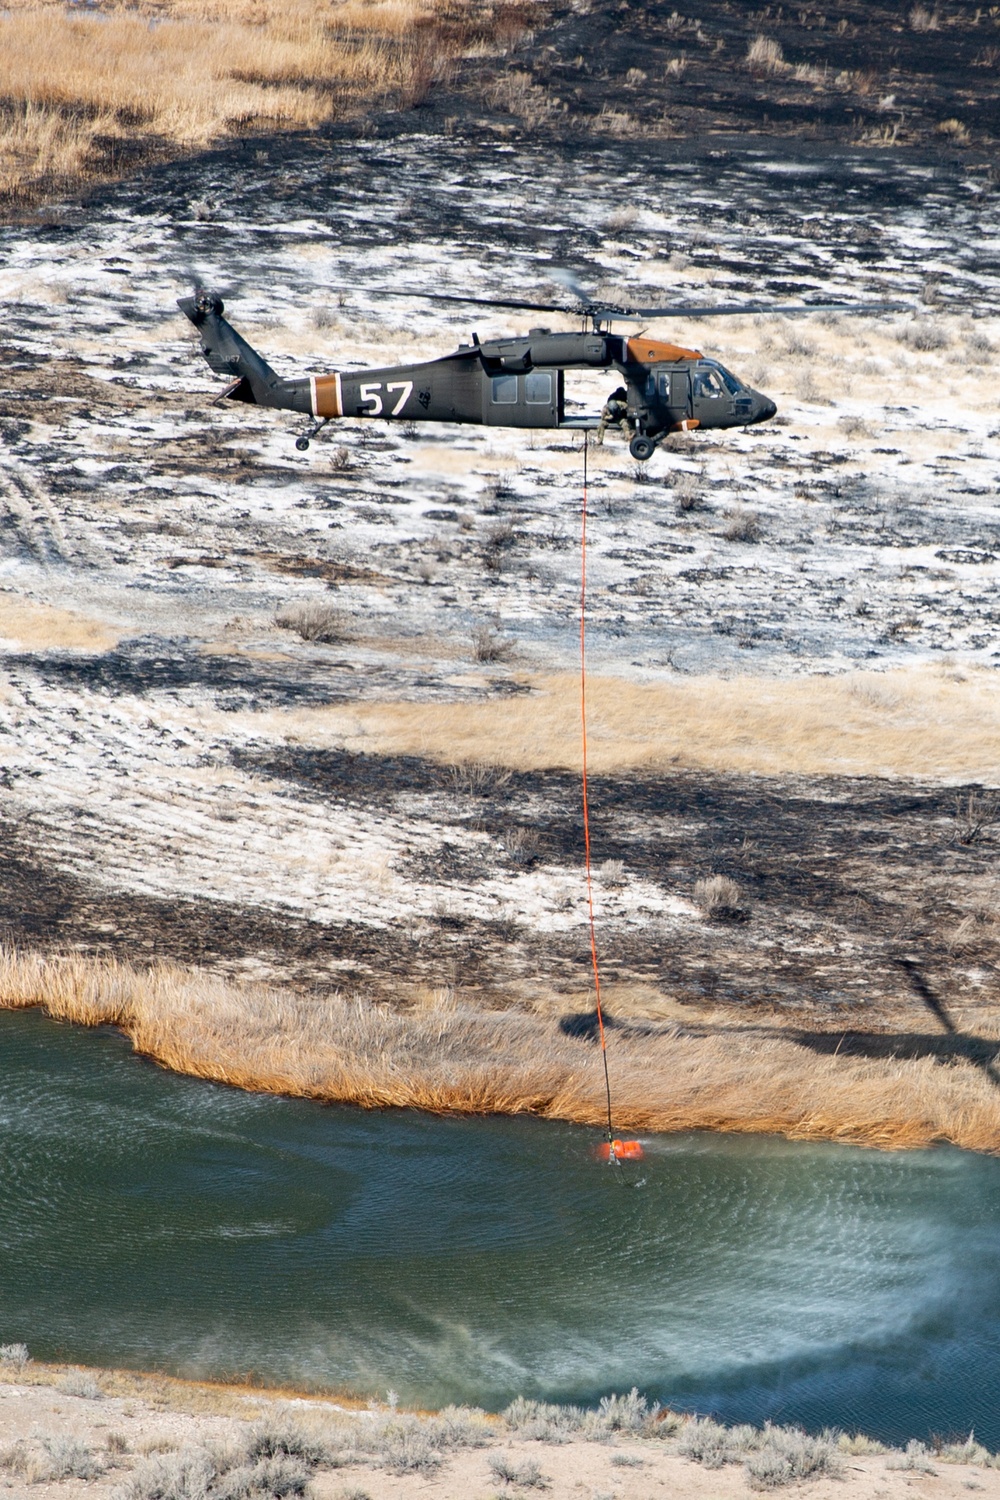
517	381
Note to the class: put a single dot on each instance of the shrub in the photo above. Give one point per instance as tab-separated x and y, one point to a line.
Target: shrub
686	491
407	1450
706	1442
743	526
507	1471
543	1422
313	621
489	645
859	1445
914	1457
68	1458
480	776
278	1476
59	1458
186	1475
15	1355
522	845
612	872
462	1427
207	1474
922	19
969	1452
923	335
764	55
625	1413
623	217
79	1383
275	1440
719	897
14	1457
787	1455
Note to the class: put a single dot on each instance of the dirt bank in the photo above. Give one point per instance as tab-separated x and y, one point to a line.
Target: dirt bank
68	1431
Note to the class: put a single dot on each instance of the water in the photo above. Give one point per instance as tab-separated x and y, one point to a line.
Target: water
158	1222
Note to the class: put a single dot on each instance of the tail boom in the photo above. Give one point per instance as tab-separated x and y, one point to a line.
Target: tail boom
228	353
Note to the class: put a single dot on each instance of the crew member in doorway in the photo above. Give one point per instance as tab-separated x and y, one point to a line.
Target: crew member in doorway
615	414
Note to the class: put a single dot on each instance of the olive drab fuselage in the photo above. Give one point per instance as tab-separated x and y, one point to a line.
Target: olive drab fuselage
513	382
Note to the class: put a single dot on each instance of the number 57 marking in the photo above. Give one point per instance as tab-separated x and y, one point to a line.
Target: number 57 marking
371	393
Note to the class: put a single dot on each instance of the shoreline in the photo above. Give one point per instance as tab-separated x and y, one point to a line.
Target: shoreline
727	1074
128	1433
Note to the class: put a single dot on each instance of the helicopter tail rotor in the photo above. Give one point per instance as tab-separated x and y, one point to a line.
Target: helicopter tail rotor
228	352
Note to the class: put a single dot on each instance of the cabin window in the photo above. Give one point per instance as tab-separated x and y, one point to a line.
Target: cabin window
537	389
707	383
504	390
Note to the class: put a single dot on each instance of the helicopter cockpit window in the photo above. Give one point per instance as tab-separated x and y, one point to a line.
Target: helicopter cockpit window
707	383
505	390
537	389
729	380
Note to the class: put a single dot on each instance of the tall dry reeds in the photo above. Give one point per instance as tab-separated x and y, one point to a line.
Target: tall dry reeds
446	1057
187	72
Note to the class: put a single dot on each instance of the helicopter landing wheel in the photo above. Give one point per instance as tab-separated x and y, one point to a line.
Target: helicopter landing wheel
302	444
642	447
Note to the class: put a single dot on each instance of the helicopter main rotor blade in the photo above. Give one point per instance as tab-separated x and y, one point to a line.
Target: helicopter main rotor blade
749	309
605	310
492	302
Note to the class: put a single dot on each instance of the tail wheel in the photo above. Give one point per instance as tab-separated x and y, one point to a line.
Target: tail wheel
642	447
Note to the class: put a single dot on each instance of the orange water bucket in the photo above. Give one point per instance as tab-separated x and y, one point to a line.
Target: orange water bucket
620	1151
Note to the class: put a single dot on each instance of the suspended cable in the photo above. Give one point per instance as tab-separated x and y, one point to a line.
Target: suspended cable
616	1150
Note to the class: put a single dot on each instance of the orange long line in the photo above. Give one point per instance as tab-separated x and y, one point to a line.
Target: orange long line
586	799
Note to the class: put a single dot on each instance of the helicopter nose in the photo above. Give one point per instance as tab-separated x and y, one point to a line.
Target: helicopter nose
766	410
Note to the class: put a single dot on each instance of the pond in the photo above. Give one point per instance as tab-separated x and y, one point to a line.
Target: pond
157	1222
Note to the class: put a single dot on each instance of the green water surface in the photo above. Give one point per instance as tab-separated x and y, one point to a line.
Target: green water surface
159	1222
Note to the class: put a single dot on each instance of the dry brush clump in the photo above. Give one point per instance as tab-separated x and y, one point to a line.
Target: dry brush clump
314	620
720	898
764	55
771	1456
743	525
46	1459
457	1058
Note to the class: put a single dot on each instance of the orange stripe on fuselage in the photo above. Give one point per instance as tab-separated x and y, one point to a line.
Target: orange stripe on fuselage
655	352
327	396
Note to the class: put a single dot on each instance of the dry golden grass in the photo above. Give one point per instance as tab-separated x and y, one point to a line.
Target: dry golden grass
189	71
923	722
446	1057
44	627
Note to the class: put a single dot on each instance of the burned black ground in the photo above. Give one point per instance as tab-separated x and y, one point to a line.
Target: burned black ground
151	806
848	885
